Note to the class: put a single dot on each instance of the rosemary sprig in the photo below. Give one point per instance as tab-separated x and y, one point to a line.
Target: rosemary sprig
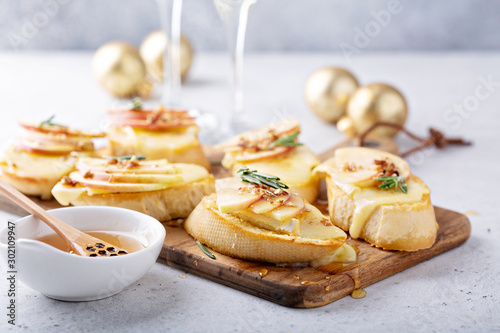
49	122
253	176
287	141
137	104
205	250
398	182
123	158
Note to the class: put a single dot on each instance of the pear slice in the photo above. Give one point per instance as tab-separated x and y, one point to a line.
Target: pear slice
313	224
292	208
357	166
231	199
116	187
263	154
145	167
265	205
137	178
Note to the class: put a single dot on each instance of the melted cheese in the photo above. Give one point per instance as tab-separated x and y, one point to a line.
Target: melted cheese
367	199
153	143
65	194
293	168
30	165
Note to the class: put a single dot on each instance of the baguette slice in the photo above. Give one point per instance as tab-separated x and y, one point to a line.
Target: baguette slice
167	204
160	189
156	134
388	219
236	237
293	164
42	154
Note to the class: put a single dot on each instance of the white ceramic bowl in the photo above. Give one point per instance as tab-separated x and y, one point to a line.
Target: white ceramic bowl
68	277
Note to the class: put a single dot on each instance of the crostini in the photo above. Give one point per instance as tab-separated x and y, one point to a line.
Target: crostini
155	134
373	195
275	150
42	154
160	189
256	217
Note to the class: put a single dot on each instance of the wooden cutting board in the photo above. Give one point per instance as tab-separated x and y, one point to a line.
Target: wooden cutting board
300	287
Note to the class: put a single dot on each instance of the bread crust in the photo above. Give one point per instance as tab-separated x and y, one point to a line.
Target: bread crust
39	187
171	203
403	227
235	237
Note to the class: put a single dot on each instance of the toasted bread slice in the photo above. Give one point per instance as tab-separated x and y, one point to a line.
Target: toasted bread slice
396	218
157	188
167	204
177	145
275	150
238	237
32	173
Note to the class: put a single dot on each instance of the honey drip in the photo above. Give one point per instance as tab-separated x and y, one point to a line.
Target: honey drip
127	243
349	269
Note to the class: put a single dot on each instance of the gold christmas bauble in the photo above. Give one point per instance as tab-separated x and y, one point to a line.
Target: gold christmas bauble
346	126
119	68
152	51
374	103
328	90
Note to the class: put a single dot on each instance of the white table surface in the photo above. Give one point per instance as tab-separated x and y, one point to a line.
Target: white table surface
456	291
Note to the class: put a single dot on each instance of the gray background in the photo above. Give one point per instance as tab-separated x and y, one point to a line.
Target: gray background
274	25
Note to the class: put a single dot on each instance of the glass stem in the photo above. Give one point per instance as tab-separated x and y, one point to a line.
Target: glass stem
234	14
170	20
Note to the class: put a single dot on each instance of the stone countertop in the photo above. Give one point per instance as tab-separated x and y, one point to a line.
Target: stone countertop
458	93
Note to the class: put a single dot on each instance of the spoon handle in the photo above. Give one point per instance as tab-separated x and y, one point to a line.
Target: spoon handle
66	232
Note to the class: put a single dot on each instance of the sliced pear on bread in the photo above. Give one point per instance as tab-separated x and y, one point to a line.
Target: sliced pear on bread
290	230
396	217
167	196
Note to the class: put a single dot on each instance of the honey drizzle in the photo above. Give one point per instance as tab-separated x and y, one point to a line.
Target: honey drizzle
349	269
123	241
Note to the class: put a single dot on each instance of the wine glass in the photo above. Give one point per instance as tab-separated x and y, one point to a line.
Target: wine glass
171	93
234	14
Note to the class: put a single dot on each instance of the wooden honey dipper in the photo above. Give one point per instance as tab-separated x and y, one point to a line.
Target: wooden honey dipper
79	242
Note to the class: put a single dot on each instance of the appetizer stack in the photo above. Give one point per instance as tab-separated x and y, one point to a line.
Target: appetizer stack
257	217
160	189
275	150
42	154
373	195
155	134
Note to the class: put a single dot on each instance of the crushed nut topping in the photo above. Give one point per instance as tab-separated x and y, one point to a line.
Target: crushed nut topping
69	181
88	174
348	167
267	192
385	169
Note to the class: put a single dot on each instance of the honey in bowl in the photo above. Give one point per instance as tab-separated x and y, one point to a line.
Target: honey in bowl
123	241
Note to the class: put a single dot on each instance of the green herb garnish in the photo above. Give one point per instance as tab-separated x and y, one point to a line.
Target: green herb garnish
205	250
253	176
49	122
123	158
287	141
137	104
398	182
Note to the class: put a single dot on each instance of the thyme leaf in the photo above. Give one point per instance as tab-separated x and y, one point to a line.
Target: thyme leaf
398	182
287	141
48	122
205	250
253	176
136	104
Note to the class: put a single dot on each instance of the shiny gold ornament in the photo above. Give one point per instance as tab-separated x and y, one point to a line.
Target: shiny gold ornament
346	126
152	51
119	68
328	90
376	102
